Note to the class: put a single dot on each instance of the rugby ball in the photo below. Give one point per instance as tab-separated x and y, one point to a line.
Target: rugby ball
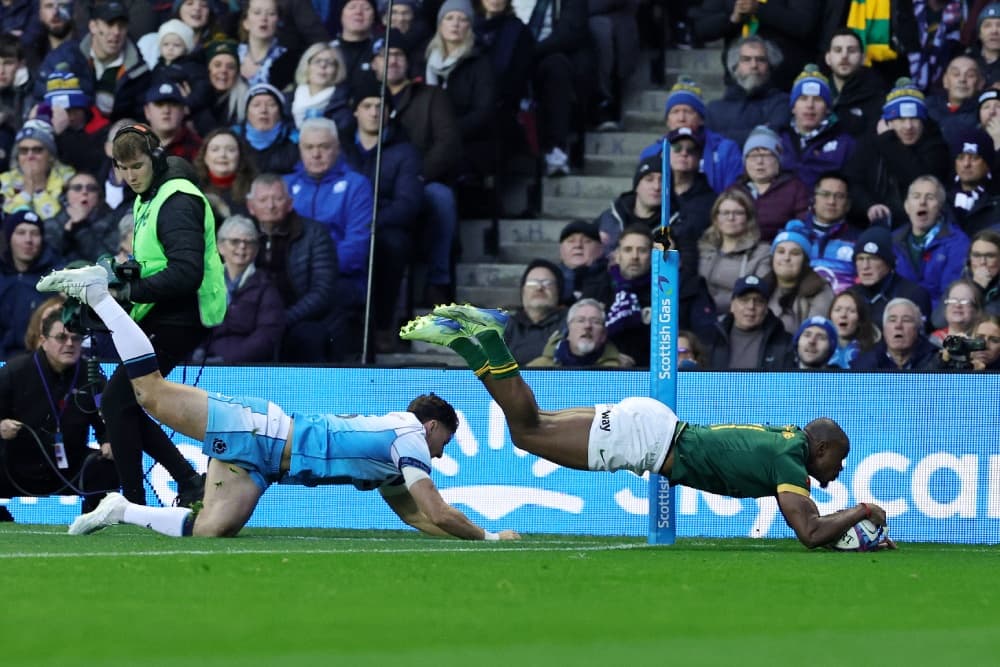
862	536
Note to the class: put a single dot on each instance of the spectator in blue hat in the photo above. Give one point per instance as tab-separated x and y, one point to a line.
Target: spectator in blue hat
930	249
954	109
815	342
799	293
23	261
908	144
986	47
721	159
814	142
973	194
877	279
750	336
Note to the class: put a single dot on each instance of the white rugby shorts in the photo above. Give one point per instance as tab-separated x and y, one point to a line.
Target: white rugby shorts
633	435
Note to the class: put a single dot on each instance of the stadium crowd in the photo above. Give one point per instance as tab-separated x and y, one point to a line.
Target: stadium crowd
839	188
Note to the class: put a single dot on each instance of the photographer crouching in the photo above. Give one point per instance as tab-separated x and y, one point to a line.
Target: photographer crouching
46	411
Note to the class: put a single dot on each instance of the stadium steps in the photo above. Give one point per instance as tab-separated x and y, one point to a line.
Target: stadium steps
609	163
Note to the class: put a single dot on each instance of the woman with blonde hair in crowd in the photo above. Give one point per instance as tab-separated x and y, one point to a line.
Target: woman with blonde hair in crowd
318	80
730	248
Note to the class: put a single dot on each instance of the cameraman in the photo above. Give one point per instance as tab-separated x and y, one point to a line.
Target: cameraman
177	289
978	352
46	391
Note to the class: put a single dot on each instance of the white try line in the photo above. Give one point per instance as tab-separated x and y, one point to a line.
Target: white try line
342	550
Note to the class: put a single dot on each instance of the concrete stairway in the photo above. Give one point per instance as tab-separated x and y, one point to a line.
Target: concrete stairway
610	159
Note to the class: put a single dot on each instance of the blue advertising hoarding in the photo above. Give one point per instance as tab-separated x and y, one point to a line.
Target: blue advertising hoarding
924	446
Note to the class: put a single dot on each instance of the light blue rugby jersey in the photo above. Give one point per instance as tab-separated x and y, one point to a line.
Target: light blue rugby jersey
365	451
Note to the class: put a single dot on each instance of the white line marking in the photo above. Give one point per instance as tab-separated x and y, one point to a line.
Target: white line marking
285	552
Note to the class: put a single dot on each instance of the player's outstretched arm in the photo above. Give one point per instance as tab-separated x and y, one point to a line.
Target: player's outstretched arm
424	509
813	530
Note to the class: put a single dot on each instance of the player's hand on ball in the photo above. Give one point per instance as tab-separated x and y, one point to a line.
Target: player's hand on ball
877	515
509	535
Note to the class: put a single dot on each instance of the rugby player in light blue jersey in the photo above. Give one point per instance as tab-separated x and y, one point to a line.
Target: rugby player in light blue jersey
642	435
252	443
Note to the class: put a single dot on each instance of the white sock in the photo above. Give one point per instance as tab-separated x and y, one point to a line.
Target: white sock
164	520
129	339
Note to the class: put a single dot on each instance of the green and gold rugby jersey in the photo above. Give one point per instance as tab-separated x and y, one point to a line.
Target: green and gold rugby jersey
742	460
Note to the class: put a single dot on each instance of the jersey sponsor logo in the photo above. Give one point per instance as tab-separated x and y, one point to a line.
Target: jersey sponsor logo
413	463
606	422
219	446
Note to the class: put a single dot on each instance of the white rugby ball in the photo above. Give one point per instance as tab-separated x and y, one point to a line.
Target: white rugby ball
862	536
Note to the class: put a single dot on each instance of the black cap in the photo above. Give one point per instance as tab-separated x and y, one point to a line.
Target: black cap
588	229
366	86
109	11
397	40
651	165
752	283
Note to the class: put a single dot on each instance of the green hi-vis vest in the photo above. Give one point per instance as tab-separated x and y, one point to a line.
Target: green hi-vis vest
148	251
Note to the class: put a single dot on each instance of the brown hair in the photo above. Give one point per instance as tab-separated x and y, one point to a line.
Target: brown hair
245	169
713	236
431	406
36	326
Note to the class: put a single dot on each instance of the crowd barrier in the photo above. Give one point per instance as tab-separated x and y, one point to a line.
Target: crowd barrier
926	447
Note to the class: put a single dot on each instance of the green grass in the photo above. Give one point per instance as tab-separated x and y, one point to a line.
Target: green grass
126	596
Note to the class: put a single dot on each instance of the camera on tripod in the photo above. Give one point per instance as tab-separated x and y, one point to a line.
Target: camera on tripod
959	350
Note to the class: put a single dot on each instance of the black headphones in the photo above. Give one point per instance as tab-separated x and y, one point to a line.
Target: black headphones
153	148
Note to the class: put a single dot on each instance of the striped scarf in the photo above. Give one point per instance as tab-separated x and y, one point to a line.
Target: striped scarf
871	20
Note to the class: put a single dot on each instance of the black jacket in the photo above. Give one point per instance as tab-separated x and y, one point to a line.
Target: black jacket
924	355
882	170
308	270
858	104
889	288
527	339
776	353
23	397
426	113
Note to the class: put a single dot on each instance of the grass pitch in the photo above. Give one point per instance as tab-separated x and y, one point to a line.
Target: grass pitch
126	596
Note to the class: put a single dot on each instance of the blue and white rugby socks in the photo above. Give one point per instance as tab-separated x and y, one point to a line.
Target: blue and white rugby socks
130	340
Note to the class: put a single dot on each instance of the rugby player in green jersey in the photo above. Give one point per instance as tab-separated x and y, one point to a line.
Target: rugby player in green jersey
643	435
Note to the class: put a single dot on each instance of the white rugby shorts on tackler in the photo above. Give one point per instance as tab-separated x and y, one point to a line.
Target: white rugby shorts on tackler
632	435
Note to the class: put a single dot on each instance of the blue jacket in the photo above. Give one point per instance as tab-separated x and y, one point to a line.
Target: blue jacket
736	113
831	254
721	161
829	150
341	200
401	191
943	259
